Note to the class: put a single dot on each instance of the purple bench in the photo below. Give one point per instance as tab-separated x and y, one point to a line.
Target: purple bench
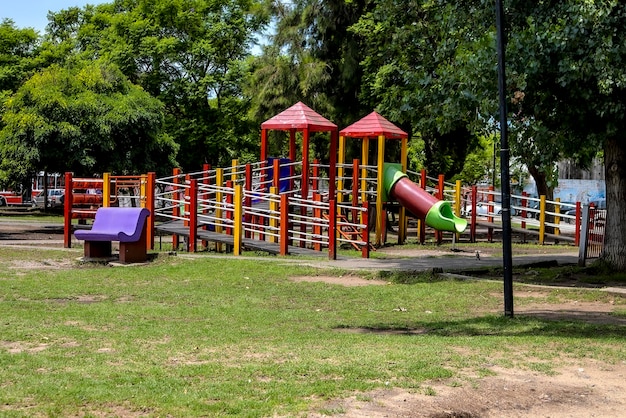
126	225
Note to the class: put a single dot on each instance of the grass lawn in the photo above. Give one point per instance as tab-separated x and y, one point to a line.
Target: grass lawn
237	336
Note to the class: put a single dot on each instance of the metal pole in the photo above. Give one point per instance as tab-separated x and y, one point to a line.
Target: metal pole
504	165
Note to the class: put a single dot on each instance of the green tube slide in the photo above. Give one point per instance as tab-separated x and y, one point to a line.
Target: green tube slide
436	213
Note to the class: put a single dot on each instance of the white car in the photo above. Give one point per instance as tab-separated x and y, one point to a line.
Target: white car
482	209
56	197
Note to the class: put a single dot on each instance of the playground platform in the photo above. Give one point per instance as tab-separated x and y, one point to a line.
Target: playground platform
179	228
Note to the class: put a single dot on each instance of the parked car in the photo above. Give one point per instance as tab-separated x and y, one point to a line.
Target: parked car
482	209
599	204
55	198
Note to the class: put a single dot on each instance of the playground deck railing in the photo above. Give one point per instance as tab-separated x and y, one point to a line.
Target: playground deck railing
265	210
198	201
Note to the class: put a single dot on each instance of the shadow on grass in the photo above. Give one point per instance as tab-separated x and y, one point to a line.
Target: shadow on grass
562	324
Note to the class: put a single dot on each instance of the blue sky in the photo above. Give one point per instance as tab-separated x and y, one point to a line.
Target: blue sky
32	13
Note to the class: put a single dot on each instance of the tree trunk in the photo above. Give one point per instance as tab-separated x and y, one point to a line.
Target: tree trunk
541	182
615	228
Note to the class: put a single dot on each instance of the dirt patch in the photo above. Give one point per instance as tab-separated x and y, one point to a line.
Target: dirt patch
46	264
587	389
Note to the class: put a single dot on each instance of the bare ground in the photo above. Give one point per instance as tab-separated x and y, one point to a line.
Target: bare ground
586	389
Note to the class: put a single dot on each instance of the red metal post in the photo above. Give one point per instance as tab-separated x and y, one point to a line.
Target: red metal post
524	212
175	206
67	211
332	229
276	169
193	215
204	196
305	164
365	232
473	217
332	169
292	157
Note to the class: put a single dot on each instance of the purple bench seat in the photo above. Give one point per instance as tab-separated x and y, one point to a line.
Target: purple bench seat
126	225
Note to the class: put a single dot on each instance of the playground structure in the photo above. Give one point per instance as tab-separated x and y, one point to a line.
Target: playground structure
285	206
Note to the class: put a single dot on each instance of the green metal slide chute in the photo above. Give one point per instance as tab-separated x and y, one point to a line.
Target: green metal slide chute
436	213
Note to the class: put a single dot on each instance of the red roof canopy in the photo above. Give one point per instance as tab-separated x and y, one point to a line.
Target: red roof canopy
373	125
300	117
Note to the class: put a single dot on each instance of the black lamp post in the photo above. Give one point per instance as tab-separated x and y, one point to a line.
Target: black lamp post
507	258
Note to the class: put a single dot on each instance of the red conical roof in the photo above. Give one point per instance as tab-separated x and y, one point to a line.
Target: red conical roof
299	116
373	125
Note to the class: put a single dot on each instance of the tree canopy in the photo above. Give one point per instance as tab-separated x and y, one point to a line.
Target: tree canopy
190	54
87	118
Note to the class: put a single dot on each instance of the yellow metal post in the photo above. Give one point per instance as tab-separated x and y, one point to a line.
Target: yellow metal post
365	151
340	170
237	221
557	218
542	219
233	173
274	213
143	183
106	190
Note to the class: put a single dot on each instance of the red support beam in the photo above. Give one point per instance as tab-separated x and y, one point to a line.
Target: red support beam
473	217
193	215
175	207
67	211
365	232
332	229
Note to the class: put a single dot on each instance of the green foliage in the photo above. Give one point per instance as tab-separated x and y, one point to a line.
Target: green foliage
478	164
18	49
87	118
190	54
418	70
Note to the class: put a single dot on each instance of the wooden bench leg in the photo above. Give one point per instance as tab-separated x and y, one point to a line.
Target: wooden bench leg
134	252
97	249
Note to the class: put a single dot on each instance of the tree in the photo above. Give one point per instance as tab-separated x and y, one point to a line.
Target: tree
190	54
417	60
320	58
568	61
88	119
